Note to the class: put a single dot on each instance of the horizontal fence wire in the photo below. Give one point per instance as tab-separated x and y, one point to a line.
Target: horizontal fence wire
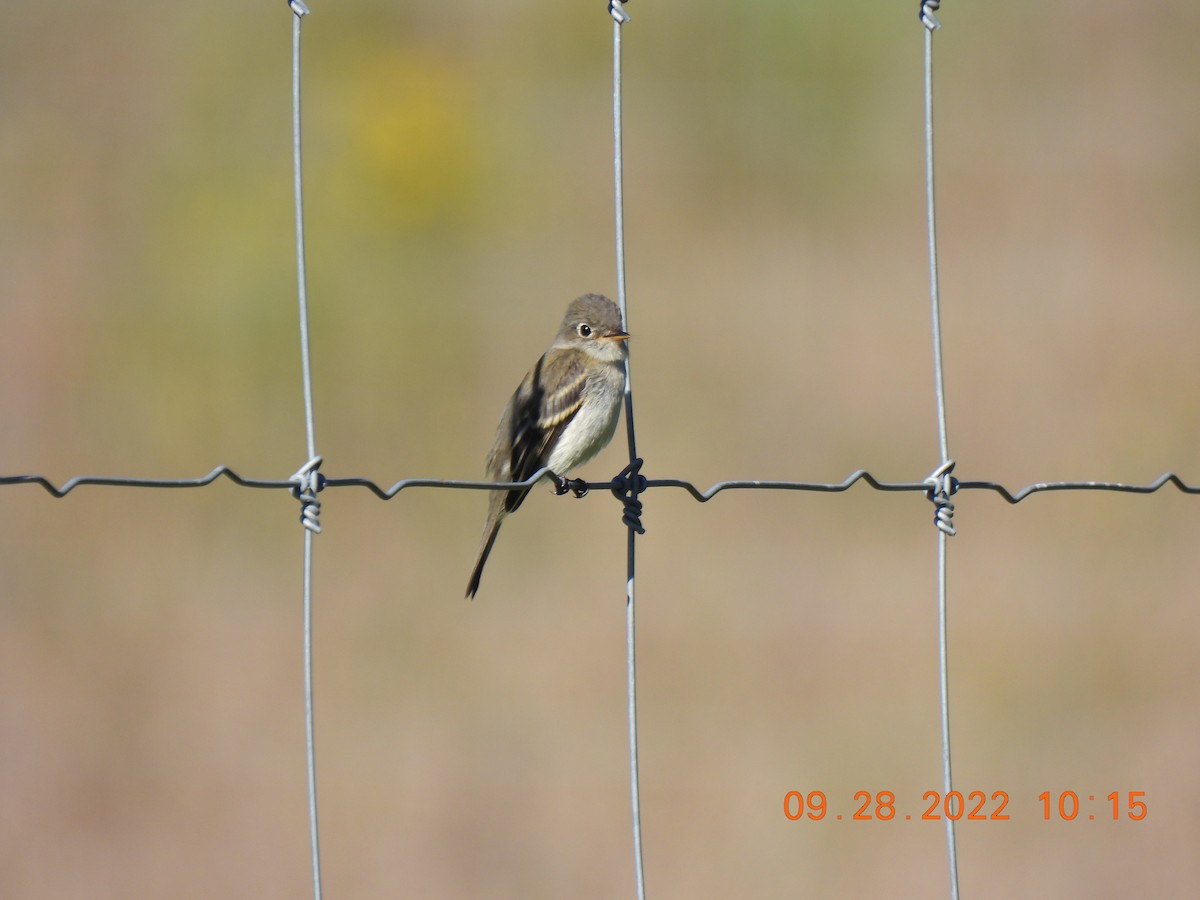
701	495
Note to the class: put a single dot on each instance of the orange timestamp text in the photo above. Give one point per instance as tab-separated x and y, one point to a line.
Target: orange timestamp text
972	806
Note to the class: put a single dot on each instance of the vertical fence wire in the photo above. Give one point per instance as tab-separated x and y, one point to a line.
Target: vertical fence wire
941	482
620	17
310	753
308	480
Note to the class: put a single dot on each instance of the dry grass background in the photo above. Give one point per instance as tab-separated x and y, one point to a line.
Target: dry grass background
458	165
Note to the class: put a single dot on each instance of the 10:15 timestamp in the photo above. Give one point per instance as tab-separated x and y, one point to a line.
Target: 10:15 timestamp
1066	806
975	806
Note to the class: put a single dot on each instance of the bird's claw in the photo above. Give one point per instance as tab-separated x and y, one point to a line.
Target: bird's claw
576	486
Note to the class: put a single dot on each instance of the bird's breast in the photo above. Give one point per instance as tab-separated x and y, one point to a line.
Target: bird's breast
594	425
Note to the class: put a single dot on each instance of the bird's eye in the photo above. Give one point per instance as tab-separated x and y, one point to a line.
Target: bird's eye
584	329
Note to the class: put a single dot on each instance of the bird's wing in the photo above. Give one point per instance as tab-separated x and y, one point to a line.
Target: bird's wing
543	406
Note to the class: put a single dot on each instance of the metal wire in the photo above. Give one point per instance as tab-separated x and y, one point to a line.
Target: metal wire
617	11
941	482
702	495
307	480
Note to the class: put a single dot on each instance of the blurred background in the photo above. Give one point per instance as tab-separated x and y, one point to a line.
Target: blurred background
458	188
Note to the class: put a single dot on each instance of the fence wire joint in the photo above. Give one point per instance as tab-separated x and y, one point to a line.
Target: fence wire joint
306	484
928	19
628	483
941	486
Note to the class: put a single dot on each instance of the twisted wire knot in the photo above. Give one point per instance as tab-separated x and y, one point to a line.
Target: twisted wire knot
617	11
306	484
298	7
628	483
928	19
942	485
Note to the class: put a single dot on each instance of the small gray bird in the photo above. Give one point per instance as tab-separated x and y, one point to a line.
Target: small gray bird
564	412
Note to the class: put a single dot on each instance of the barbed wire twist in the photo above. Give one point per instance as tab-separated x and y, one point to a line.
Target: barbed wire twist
942	486
928	19
626	486
306	484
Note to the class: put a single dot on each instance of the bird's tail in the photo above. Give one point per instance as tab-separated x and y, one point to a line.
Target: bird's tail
485	548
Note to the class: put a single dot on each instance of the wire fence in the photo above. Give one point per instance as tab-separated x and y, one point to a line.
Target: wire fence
619	484
308	483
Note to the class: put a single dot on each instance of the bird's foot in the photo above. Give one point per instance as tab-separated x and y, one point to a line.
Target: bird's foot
576	486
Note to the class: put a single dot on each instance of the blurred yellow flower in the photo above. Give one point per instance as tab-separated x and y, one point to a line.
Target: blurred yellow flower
410	155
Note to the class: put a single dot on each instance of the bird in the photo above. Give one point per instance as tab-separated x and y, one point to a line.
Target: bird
563	413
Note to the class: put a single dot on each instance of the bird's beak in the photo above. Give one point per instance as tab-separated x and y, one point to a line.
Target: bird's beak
617	336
